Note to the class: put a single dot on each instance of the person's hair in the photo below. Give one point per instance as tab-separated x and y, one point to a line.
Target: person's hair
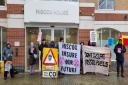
61	38
81	43
8	44
120	40
44	39
106	45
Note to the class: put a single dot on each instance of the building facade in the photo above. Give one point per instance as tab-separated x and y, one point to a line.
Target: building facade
22	20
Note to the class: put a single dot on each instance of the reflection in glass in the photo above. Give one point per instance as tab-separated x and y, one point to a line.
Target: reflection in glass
71	35
58	34
46	34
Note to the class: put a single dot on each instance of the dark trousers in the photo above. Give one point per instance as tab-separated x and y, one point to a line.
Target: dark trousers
11	73
120	64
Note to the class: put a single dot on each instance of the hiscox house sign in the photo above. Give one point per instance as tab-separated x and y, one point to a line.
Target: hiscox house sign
54	11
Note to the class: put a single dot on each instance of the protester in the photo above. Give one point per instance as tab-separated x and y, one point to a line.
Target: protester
110	57
52	44
91	44
32	57
41	47
119	51
8	55
81	58
61	75
61	39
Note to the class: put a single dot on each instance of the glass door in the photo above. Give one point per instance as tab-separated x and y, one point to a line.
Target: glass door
58	33
31	36
46	34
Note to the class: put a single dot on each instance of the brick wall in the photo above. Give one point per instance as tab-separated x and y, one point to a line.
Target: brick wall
3	14
121	5
15	8
17	35
84	35
110	17
86	11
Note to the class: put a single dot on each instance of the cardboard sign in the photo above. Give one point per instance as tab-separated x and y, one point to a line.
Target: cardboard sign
50	62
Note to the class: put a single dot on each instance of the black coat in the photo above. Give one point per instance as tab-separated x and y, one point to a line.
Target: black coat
32	60
41	47
120	54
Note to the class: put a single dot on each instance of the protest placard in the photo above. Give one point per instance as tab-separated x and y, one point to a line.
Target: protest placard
69	58
96	59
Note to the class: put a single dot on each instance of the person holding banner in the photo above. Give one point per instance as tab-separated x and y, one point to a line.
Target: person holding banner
110	57
81	57
119	51
92	44
41	47
52	44
61	75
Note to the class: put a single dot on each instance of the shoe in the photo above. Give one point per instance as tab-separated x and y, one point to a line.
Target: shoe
117	75
5	78
122	76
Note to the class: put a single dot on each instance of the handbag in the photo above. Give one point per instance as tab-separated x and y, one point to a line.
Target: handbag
35	56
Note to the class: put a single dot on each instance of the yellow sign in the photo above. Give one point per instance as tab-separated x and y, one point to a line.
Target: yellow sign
2	69
50	74
50	63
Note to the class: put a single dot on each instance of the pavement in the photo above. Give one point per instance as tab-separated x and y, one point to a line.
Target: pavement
88	79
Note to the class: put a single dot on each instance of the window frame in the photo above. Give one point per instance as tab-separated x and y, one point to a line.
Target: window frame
4	4
106	5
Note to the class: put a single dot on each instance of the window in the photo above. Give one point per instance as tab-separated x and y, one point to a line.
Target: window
2	2
71	35
103	35
106	4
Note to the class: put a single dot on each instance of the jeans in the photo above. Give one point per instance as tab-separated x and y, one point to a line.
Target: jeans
31	69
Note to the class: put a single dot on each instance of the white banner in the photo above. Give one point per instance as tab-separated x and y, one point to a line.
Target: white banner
96	59
52	11
69	58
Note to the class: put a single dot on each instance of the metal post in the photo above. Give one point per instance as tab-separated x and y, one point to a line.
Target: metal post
1	42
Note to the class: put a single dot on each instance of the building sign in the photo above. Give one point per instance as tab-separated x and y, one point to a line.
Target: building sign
69	58
52	11
93	36
96	59
50	63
